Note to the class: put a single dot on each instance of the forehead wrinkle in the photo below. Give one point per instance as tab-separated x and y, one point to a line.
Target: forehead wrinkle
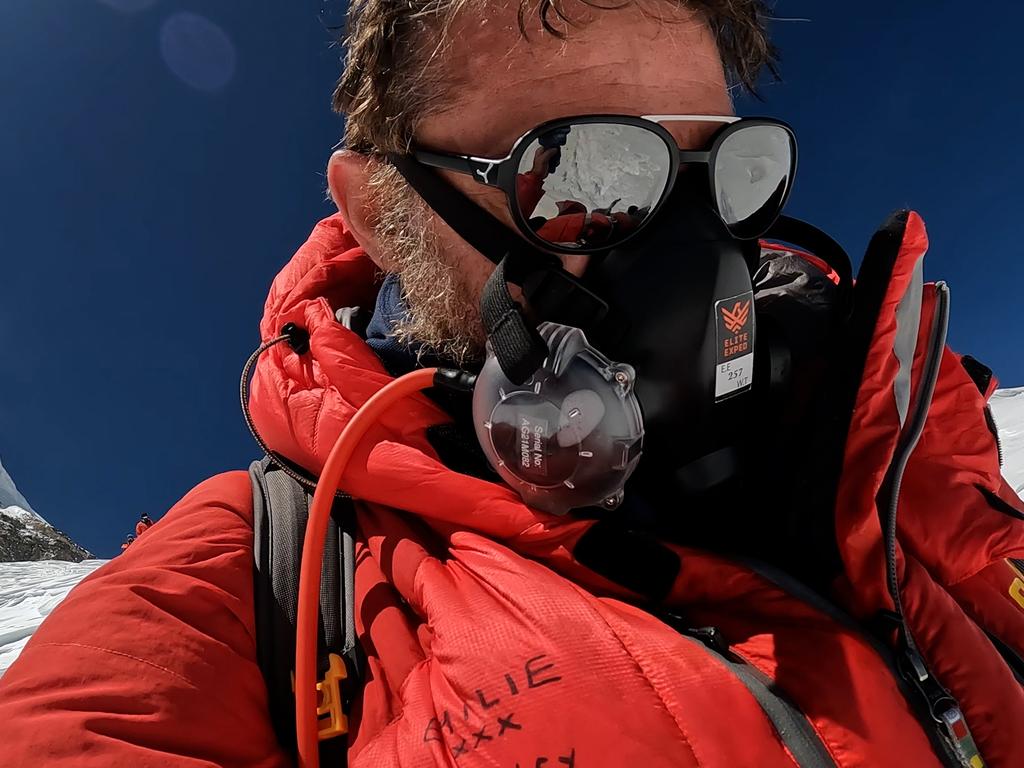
615	64
500	32
493	134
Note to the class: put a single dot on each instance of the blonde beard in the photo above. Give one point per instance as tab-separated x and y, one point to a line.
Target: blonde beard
444	315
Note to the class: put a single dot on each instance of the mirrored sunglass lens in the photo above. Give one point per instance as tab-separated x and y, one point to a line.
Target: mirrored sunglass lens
752	175
591	185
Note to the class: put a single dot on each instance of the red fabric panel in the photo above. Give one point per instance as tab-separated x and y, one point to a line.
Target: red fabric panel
963	659
947	531
944	520
832	675
504	637
300	404
874	429
151	660
994	598
330	266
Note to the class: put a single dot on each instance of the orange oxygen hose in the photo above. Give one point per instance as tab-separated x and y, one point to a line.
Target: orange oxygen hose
306	723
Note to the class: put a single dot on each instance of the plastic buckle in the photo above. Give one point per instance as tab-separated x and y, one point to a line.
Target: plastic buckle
332	720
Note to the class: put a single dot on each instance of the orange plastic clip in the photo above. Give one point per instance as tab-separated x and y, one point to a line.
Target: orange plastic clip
332	720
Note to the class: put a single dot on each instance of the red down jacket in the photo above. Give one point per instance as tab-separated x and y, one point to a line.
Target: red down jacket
489	645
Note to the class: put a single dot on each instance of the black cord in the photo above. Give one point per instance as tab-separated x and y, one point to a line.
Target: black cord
284	464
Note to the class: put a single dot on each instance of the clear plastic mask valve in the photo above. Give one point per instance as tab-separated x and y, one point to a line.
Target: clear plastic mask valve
571	435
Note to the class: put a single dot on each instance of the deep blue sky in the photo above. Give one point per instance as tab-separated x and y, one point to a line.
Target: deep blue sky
156	174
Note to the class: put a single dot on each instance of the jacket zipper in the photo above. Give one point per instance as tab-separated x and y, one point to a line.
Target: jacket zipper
942	706
794	729
994	429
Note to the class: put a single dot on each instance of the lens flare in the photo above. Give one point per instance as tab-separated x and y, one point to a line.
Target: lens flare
197	51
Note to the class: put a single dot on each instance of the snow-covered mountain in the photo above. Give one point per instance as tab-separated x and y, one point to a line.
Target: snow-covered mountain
10	496
24	535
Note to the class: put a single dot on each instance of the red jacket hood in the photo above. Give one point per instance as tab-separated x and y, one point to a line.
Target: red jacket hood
300	404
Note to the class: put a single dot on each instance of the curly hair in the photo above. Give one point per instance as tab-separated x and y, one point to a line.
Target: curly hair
387	86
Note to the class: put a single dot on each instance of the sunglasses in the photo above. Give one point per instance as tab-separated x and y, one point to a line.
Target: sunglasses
586	184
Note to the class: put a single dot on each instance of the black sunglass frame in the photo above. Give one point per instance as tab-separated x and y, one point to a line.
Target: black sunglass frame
501	173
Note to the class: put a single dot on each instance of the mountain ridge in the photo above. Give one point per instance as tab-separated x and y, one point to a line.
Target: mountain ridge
25	535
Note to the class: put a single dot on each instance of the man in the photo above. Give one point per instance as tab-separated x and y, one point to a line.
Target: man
493	633
144	524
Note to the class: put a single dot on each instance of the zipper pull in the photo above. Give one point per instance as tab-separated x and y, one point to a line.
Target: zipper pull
917	664
961	739
944	710
936	697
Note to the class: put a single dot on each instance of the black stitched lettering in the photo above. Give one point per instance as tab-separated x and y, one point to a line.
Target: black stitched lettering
511	684
532	672
483	700
433	731
481	735
507	723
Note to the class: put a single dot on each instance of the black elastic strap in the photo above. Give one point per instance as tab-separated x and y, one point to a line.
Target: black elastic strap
517	344
551	292
478	227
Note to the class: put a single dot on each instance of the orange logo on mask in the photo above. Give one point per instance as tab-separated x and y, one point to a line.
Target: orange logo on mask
737	318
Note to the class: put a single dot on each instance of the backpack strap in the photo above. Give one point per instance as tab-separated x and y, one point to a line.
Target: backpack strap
280	512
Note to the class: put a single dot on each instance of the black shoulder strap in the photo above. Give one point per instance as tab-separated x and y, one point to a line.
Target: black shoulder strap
280	511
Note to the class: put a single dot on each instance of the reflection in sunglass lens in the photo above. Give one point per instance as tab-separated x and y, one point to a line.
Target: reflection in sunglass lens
752	174
591	185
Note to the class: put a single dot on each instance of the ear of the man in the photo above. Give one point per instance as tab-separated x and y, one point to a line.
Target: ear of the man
347	174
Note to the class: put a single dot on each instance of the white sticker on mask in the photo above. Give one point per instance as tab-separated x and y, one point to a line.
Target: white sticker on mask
734	376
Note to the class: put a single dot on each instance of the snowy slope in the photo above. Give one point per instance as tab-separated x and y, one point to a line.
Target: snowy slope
28	592
1008	412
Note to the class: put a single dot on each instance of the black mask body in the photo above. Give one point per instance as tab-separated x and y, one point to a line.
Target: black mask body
682	314
674	305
